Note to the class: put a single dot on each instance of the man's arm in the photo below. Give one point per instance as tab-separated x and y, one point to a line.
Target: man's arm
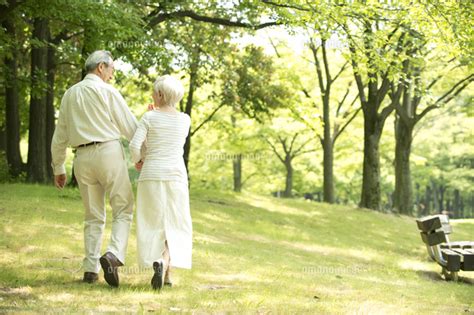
122	116
59	145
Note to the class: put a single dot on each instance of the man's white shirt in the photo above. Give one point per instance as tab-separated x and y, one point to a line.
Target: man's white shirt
91	111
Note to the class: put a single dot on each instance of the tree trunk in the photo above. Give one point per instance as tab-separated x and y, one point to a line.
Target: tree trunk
237	160
3	138
12	113
436	205
188	110
370	196
374	114
428	198
289	178
187	150
403	199
37	160
472	205
422	207
328	169
237	164
417	193
50	119
328	154
457	204
442	189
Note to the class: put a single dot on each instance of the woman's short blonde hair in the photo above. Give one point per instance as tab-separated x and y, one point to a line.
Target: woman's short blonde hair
171	89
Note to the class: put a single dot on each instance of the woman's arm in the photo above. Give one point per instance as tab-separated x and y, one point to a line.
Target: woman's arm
138	140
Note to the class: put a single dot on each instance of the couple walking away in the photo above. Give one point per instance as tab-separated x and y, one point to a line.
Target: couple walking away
92	118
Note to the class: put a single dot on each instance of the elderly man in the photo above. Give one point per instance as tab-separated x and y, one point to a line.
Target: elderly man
92	118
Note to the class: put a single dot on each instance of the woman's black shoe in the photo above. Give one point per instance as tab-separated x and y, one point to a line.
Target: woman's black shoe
157	280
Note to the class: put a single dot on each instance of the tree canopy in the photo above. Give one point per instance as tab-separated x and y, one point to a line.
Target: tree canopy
364	102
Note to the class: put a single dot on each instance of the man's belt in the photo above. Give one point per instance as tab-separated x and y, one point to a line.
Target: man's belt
88	144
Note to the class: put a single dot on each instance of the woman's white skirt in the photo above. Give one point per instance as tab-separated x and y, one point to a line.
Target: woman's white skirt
163	215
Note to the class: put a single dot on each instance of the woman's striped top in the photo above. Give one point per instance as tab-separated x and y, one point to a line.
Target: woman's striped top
163	134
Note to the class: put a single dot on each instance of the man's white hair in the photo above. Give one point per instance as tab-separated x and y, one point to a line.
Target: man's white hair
98	57
171	89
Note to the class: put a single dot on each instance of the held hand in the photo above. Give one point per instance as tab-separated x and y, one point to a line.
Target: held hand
151	107
139	165
60	181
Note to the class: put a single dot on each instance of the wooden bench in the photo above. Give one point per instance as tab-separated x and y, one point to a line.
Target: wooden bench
451	256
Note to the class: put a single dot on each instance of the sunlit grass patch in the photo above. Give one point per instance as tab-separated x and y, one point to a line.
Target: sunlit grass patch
252	254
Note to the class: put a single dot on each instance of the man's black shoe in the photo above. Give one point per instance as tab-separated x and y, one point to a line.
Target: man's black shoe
90	277
110	265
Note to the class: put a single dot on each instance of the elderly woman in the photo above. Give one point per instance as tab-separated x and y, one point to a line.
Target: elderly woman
164	229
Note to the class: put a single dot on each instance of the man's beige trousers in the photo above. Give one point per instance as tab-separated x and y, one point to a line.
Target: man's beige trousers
101	169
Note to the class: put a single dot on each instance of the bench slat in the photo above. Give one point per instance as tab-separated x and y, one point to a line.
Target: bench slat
433	238
468	245
467	258
460	244
446	227
453	259
428	224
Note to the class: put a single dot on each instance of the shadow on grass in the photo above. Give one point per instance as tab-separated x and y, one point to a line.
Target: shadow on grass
23	293
436	276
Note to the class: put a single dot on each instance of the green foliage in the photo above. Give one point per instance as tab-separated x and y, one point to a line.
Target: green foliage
449	160
250	84
254	93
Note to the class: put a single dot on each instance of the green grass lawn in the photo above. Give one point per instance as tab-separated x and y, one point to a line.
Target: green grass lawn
252	254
